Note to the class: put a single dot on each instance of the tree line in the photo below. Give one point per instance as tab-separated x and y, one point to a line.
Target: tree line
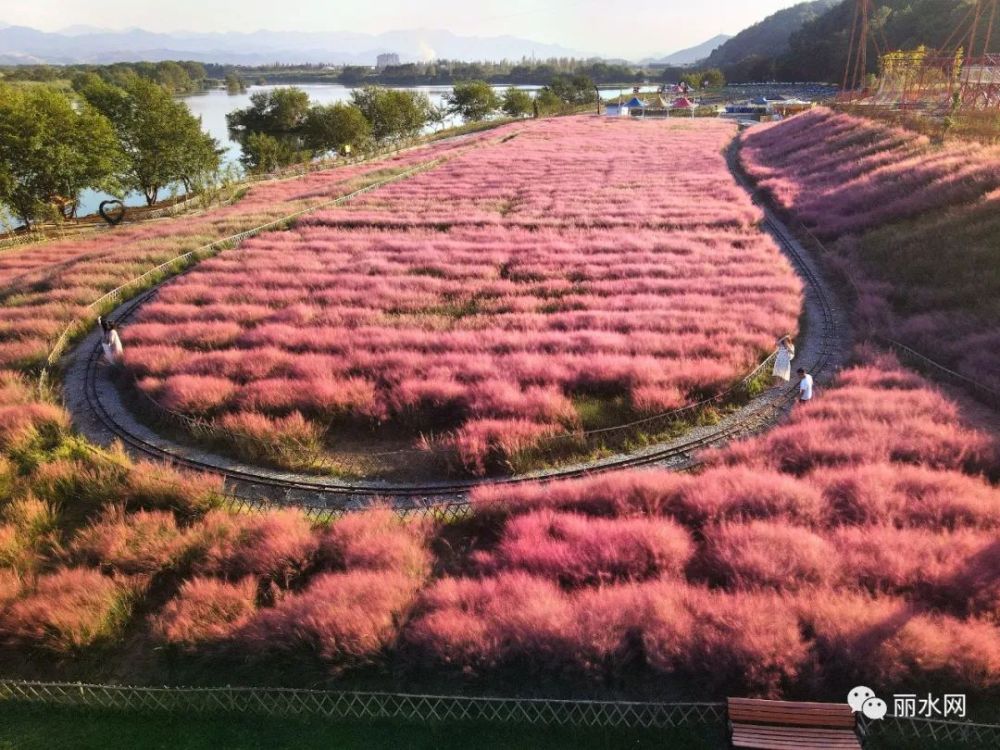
118	131
116	137
282	126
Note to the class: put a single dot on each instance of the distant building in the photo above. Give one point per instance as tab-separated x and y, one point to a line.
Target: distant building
385	60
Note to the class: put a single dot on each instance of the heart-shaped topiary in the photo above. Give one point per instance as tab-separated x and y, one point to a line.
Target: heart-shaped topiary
112	211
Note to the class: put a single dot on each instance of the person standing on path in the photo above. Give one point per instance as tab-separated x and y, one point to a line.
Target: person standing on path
111	342
782	371
805	386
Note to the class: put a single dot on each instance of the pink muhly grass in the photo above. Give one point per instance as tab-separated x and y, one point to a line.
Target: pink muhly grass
280	544
483	445
70	609
767	554
158	486
622	493
141	542
478	624
291	429
194	394
345	619
958	571
26	422
376	539
749	641
206	612
908	496
575	550
734	493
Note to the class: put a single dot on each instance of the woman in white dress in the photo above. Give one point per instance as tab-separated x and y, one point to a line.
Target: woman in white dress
782	371
111	342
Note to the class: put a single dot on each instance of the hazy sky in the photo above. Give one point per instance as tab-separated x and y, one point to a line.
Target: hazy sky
622	28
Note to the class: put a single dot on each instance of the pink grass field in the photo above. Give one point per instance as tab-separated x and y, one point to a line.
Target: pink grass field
855	543
476	301
841	174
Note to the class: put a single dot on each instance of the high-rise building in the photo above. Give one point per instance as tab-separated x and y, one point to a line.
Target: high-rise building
385	60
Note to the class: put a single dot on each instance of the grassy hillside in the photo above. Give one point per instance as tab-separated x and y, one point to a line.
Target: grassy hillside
752	54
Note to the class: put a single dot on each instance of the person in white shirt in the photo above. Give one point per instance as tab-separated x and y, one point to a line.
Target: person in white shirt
805	385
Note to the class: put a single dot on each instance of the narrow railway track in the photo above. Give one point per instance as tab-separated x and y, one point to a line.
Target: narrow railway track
826	334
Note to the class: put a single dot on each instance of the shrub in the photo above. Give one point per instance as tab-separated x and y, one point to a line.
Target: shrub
764	553
908	496
140	542
479	624
376	539
157	486
575	550
622	493
741	641
81	486
31	532
733	493
206	612
279	544
958	571
345	619
70	609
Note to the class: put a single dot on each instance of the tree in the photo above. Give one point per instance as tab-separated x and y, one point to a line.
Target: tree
334	126
163	142
235	84
577	89
548	101
51	150
472	100
392	113
262	153
515	102
276	112
713	78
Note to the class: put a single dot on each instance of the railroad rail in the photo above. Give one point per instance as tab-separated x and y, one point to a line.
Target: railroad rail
825	347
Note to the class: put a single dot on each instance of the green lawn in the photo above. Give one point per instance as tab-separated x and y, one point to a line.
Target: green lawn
45	728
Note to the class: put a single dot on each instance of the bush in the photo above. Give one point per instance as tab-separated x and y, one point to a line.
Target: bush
157	486
31	531
743	641
279	544
480	624
376	539
82	486
206	612
636	492
907	496
575	550
70	609
957	571
141	542
734	493
764	553
345	619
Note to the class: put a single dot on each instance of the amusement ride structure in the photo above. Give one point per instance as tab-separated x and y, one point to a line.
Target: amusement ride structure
962	74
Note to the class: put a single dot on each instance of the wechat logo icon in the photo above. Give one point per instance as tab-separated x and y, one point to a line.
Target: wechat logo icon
863	699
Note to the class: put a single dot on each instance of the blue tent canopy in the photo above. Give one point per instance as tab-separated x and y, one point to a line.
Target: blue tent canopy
635	101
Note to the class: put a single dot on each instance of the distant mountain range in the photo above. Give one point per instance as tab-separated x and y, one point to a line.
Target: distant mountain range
85	44
690	55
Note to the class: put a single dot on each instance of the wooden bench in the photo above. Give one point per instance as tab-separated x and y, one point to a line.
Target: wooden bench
784	725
